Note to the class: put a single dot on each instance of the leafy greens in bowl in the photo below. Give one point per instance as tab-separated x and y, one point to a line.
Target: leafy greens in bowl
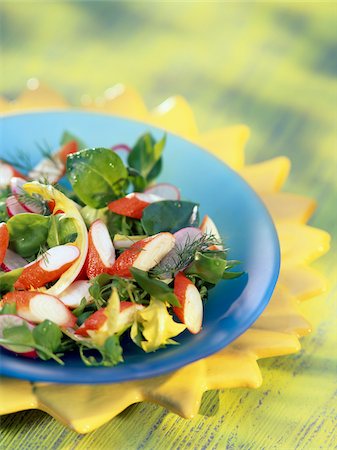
143	261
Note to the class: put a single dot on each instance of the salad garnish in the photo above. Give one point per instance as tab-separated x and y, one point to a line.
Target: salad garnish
95	256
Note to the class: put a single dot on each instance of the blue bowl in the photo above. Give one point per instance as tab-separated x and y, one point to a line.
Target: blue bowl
232	307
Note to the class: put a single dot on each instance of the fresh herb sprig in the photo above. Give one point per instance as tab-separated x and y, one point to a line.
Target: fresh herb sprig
185	254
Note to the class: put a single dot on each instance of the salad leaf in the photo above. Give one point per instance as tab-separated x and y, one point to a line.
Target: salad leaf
145	158
22	337
170	215
97	176
62	230
28	232
157	289
68	137
7	280
8	308
91	214
3	211
48	336
154	327
211	267
19	334
110	352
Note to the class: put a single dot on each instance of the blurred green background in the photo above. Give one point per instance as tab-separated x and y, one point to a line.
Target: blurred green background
270	65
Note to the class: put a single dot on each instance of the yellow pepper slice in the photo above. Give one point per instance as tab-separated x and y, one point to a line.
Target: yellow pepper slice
63	203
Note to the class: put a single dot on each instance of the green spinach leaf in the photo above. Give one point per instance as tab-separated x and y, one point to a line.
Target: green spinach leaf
7	280
146	159
97	176
170	215
28	232
48	336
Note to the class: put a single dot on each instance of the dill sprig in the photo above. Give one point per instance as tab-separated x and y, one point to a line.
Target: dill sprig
34	201
184	255
47	152
20	161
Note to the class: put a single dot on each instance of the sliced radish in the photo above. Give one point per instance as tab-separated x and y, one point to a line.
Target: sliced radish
37	307
73	295
164	190
121	242
184	237
190	311
7	172
133	204
122	147
17	190
10	321
12	261
144	254
4	241
97	321
101	253
48	267
14	207
208	227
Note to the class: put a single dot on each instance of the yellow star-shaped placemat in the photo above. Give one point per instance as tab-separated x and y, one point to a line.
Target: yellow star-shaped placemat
276	332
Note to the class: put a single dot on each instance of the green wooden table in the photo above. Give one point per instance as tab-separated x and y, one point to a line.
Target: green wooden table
270	65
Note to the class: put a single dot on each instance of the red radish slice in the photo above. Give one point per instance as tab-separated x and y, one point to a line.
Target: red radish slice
12	261
101	253
73	295
17	190
14	207
133	204
52	169
4	241
123	147
190	311
37	307
165	191
10	321
208	227
184	237
97	320
122	151
144	254
48	267
6	173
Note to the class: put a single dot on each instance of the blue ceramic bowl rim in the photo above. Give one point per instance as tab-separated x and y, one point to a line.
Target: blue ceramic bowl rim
10	366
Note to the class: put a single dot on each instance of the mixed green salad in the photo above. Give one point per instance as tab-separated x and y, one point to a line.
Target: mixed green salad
94	255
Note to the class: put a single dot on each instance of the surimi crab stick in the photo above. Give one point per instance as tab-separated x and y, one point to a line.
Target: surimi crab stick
144	254
4	241
48	267
190	311
133	204
37	307
101	252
